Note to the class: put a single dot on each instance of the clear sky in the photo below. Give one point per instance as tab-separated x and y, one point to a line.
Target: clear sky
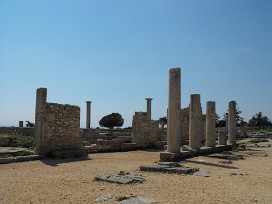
118	52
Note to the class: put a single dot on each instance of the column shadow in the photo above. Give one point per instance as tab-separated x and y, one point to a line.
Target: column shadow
211	164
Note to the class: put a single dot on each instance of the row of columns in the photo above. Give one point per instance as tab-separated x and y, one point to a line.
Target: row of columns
174	124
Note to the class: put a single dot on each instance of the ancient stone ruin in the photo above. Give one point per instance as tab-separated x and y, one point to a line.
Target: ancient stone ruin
145	130
57	127
195	125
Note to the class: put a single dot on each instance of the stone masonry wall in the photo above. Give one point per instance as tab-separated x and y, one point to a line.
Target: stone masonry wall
61	127
24	131
144	131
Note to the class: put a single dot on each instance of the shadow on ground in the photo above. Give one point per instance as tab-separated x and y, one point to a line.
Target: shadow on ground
211	164
152	150
56	162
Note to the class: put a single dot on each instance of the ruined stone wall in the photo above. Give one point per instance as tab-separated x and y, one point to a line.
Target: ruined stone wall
24	131
56	125
61	126
144	131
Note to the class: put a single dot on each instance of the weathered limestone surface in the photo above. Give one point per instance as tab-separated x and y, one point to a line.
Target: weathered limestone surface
210	124
57	126
88	114
144	131
174	109
203	126
184	117
195	122
222	137
148	108
232	123
41	96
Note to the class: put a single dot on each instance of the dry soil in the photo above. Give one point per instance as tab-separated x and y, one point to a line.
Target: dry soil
72	180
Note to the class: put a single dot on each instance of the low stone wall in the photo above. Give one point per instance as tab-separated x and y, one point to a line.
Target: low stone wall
25	131
92	135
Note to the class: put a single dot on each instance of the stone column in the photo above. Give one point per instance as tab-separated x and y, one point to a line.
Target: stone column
210	124
222	137
88	114
227	123
195	122
203	126
41	96
173	123
21	123
232	123
148	107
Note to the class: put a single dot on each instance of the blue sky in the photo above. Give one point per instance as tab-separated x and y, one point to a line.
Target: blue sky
117	53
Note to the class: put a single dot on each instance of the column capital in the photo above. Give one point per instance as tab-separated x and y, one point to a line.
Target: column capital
148	99
88	101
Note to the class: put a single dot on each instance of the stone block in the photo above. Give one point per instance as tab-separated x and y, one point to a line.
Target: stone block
186	148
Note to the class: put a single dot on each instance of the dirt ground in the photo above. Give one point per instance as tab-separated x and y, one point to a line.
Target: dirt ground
247	180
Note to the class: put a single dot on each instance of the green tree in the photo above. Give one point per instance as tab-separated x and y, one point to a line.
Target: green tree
111	121
163	121
259	120
239	119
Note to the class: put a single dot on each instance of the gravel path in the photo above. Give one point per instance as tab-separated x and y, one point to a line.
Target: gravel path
72	181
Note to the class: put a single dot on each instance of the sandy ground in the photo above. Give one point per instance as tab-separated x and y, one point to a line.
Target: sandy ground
72	181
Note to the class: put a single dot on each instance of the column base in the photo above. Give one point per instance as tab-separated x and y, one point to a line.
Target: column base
167	156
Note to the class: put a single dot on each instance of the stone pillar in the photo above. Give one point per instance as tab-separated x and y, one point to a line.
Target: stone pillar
203	126
227	123
210	124
195	122
242	130
148	107
88	114
222	137
21	123
173	119
232	123
41	96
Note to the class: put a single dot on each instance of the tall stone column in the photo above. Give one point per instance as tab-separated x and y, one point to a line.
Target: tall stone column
210	124
227	123
232	123
88	114
173	123
148	107
195	122
41	96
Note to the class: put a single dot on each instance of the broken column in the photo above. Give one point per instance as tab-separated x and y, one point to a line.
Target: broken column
88	114
173	123
210	124
148	107
232	123
195	122
41	95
